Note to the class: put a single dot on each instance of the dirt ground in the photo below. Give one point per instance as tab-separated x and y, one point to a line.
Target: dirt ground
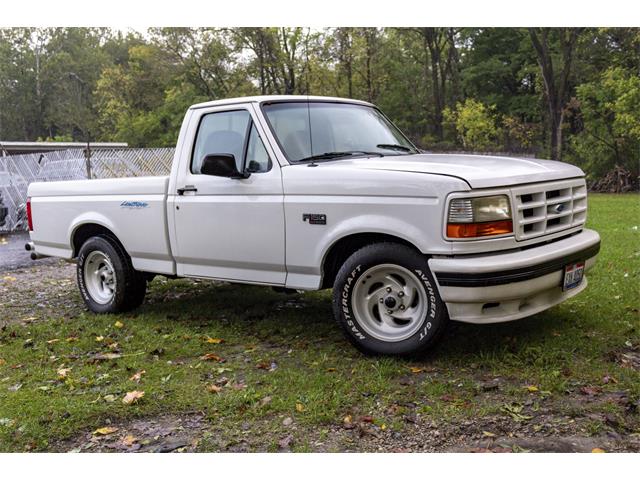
54	290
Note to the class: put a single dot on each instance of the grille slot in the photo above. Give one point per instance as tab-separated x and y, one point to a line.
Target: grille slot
547	208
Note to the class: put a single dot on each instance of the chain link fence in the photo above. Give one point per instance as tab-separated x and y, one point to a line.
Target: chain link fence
18	171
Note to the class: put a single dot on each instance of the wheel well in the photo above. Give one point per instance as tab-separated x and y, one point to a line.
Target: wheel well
346	246
88	230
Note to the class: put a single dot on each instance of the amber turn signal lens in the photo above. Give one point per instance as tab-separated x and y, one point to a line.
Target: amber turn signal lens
473	230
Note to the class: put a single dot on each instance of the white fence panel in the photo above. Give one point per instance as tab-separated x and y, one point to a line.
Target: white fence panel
18	171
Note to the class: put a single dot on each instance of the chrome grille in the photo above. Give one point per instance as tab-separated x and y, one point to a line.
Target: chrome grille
547	208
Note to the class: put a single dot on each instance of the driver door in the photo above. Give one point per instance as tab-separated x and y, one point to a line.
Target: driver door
231	229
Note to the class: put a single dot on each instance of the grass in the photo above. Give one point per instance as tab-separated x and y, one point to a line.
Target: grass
288	349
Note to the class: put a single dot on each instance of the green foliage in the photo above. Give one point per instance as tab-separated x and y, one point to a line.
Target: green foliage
93	82
610	114
475	124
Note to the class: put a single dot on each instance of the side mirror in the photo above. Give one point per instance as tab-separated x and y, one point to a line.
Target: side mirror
221	165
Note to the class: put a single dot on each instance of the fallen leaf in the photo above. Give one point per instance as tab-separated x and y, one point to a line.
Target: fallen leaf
214	340
63	372
213	388
72	339
136	377
118	324
515	411
106	430
416	369
299	407
15	388
53	340
106	356
109	398
265	401
331	369
348	420
367	419
609	379
531	388
132	397
113	346
99	338
287	421
2	361
9	279
129	440
597	450
590	390
285	442
488	434
212	357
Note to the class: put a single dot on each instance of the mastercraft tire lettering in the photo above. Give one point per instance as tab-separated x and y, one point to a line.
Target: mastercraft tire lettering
386	303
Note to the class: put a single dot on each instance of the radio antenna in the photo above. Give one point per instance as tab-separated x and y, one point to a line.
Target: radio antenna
312	164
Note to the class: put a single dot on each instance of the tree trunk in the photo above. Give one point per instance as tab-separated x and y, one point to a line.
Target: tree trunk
556	89
432	38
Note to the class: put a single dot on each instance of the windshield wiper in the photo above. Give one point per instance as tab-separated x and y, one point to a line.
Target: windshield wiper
394	146
332	155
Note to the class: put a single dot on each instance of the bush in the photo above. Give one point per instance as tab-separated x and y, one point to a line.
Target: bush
475	124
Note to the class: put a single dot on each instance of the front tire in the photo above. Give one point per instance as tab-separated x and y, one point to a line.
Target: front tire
386	301
107	280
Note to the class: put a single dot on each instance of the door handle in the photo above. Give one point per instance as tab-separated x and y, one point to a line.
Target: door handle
187	188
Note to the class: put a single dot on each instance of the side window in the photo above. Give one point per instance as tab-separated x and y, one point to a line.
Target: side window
221	132
258	160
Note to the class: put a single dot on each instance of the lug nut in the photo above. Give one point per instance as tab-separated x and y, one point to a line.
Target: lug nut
381	300
402	307
401	294
389	289
389	312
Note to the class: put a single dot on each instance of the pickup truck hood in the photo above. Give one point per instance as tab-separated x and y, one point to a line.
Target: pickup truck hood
479	171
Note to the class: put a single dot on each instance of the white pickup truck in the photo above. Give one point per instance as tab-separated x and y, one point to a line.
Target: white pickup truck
309	193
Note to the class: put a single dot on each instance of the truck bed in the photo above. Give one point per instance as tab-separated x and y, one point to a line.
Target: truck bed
134	209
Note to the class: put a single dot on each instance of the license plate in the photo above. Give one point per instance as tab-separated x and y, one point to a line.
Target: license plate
573	275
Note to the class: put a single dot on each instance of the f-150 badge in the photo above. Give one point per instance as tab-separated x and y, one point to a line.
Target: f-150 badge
315	218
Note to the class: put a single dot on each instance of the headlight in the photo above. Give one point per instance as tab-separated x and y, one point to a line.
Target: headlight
479	217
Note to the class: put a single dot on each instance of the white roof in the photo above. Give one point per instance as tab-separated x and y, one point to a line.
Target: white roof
275	98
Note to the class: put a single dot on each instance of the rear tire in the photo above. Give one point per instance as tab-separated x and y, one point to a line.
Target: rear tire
107	280
386	301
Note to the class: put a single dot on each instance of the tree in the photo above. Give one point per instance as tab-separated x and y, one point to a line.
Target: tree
610	118
556	76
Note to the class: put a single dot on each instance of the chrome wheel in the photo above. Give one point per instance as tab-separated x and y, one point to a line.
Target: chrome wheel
389	302
99	277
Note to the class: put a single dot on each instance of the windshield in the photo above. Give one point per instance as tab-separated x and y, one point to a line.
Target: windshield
309	131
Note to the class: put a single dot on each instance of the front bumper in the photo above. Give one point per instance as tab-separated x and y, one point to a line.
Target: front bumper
507	286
